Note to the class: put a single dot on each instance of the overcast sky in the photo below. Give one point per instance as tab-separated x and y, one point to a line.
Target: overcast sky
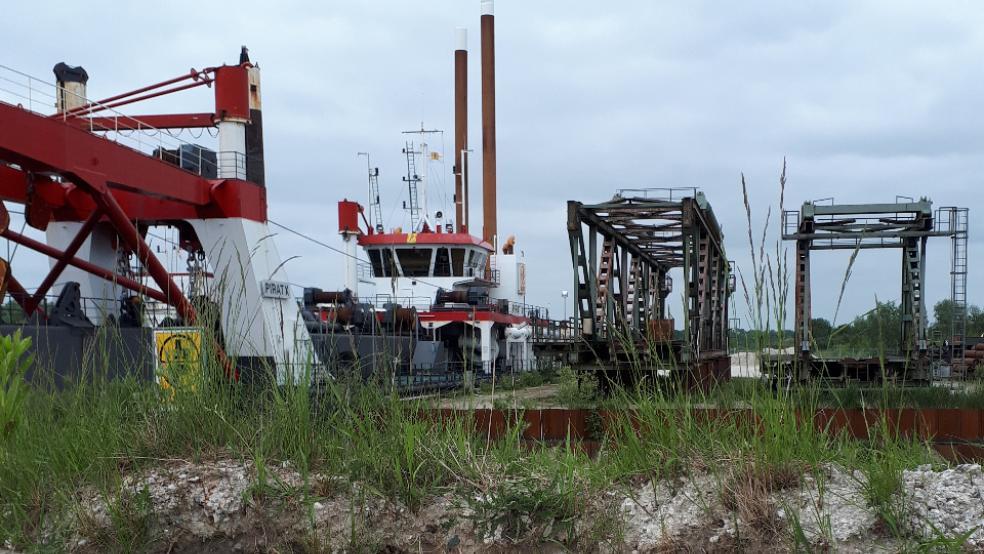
866	100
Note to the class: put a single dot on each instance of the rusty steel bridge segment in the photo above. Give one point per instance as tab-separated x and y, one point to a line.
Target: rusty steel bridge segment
623	252
906	225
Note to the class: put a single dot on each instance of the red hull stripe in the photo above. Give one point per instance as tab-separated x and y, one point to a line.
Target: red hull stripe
428	239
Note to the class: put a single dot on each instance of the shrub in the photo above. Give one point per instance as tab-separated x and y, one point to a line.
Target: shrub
13	388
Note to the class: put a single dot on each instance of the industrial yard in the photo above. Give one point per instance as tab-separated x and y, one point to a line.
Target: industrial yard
711	288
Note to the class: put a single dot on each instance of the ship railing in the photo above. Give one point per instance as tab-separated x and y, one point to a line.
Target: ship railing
40	97
555	331
670	194
97	309
490	274
363	270
379	301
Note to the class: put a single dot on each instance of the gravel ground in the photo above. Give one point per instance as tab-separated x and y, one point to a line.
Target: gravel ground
512	397
220	503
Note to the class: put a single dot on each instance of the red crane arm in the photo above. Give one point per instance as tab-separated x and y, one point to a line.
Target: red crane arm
40	144
147	188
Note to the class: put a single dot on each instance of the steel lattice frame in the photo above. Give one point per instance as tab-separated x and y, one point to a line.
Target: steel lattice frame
622	252
903	225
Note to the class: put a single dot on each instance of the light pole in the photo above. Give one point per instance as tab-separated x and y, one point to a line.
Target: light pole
563	295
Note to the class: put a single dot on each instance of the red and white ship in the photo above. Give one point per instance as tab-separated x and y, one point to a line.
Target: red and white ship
468	291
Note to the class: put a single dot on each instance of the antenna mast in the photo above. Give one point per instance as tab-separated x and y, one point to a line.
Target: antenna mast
418	199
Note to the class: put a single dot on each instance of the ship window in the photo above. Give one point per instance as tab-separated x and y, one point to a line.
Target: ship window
389	265
458	261
377	263
442	263
478	262
415	261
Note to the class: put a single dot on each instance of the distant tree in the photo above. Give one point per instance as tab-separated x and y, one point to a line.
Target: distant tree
874	332
943	318
821	329
975	321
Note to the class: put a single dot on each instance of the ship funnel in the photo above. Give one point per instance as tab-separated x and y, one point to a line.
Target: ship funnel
461	128
255	165
488	123
71	87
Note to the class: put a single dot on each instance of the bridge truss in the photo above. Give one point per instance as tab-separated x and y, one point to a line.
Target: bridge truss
623	252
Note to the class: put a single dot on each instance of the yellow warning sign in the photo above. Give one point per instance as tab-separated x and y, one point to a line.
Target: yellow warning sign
178	351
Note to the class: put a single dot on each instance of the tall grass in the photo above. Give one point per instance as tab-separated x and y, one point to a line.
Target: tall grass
88	434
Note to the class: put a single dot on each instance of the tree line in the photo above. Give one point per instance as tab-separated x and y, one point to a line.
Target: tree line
878	329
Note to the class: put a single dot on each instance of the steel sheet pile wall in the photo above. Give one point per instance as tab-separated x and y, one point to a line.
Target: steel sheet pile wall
956	432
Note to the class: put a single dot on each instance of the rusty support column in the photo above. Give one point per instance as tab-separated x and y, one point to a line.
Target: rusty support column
460	128
489	226
803	312
703	290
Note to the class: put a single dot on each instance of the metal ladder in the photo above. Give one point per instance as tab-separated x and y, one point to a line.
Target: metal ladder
412	179
958	218
375	208
952	220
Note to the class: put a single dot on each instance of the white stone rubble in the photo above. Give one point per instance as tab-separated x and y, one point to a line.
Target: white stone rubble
829	508
948	502
661	510
220	500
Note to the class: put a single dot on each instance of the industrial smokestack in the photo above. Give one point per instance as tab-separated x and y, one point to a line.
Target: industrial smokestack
461	126
488	123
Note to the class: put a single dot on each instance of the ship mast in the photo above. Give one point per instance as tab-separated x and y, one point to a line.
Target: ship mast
418	198
375	208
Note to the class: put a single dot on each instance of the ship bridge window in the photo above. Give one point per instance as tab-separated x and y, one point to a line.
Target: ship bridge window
478	263
389	264
415	261
442	263
458	261
377	262
383	264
